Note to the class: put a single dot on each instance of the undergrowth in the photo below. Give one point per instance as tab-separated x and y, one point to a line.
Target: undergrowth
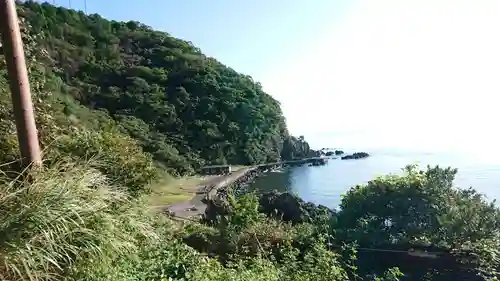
61	217
68	222
84	216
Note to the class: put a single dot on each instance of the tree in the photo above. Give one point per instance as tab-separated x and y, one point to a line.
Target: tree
204	110
422	209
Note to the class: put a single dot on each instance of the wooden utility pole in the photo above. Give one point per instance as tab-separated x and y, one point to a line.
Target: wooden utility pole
19	84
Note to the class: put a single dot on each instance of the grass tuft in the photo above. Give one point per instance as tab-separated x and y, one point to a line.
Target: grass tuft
64	215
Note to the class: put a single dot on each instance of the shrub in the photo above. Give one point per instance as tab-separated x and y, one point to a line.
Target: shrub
422	209
419	207
119	157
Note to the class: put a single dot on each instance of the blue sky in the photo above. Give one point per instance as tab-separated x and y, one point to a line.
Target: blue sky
385	73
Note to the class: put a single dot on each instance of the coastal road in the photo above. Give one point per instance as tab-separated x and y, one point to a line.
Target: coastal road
195	207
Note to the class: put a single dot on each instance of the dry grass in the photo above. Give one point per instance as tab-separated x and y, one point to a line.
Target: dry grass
177	190
174	190
238	167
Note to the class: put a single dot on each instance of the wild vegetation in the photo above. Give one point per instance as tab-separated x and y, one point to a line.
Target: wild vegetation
184	108
84	215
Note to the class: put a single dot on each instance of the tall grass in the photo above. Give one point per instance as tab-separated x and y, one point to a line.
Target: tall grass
62	217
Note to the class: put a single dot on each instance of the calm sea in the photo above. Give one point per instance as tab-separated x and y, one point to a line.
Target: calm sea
325	184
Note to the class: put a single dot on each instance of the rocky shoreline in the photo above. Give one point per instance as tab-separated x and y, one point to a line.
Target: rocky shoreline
356	155
288	207
216	197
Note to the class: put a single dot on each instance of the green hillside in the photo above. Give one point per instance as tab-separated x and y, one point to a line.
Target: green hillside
104	92
183	107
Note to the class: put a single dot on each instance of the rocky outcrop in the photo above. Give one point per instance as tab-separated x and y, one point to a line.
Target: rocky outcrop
283	205
357	155
291	208
339	152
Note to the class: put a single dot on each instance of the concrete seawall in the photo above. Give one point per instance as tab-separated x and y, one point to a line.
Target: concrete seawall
228	181
196	207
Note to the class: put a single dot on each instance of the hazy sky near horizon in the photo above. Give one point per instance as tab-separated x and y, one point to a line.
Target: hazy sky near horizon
405	73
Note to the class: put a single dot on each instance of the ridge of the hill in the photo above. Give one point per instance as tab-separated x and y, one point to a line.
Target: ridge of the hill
184	108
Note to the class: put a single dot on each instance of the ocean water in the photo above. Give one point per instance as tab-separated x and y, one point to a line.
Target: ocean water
325	184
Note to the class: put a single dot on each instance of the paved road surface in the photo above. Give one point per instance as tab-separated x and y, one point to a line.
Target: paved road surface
195	207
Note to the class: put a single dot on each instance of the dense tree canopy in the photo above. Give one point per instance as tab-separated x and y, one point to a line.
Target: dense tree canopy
422	209
185	108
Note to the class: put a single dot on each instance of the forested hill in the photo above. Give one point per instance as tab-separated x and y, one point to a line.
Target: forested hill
185	108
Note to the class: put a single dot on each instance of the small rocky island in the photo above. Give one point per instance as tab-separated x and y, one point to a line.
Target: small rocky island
332	153
357	155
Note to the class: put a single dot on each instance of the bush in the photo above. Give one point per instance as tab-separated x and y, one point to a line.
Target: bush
119	157
420	207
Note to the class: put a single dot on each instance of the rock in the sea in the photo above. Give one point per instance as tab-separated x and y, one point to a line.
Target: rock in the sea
357	155
291	208
284	205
